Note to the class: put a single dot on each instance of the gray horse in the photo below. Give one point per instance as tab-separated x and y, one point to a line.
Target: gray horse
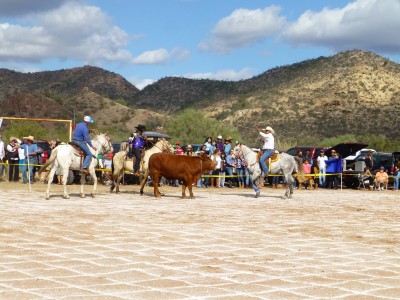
287	165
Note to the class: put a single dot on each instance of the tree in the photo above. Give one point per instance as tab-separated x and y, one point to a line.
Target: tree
192	126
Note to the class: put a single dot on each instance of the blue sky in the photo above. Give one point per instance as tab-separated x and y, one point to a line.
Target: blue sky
218	39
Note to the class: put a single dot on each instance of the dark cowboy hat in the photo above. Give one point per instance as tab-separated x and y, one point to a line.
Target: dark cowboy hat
141	127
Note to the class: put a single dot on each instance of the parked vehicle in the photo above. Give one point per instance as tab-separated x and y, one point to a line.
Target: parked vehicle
45	146
356	162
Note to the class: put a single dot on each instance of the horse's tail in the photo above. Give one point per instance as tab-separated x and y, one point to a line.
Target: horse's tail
50	160
300	170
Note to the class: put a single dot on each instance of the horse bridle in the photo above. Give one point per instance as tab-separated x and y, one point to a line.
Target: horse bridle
106	146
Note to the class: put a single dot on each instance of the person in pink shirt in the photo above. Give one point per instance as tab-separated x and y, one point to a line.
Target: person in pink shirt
307	170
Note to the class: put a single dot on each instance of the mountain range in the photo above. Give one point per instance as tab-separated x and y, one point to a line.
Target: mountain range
353	92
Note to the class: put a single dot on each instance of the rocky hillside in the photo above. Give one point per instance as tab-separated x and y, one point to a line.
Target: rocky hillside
353	92
66	83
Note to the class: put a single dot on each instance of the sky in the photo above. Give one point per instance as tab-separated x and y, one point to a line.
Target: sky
146	40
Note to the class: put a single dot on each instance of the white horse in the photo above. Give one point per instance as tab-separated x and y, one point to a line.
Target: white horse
286	165
121	163
67	158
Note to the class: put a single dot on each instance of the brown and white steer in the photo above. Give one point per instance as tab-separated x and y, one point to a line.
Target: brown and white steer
181	167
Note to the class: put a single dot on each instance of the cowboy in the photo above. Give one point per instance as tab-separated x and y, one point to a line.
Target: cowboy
220	144
228	145
30	151
268	147
81	138
137	143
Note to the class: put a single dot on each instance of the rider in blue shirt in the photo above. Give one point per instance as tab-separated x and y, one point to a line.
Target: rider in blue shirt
81	138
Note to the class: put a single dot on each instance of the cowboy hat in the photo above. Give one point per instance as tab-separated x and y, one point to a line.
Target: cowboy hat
270	129
13	138
189	147
229	138
219	137
29	138
141	127
88	119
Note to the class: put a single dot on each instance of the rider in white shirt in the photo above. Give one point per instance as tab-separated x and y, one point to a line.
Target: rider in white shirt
268	147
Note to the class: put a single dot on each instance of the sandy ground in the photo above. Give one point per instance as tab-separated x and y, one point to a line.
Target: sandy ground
225	244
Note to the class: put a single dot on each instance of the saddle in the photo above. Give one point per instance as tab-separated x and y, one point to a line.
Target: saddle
270	159
79	152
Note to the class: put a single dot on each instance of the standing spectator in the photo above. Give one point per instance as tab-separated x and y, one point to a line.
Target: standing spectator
202	151
13	160
309	158
296	182
216	158
220	144
189	151
307	172
178	149
213	146
223	170
208	143
322	168
369	160
240	170
2	157
22	162
30	151
396	175
333	169
107	164
228	145
230	164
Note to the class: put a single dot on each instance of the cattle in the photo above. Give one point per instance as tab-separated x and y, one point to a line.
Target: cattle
181	167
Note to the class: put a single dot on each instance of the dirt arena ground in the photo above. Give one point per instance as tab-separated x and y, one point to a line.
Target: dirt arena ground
225	244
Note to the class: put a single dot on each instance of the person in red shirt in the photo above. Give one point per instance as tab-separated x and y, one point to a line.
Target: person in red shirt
178	149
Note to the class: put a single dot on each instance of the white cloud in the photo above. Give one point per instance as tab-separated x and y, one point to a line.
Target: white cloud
160	56
141	83
72	31
230	75
362	24
243	28
9	8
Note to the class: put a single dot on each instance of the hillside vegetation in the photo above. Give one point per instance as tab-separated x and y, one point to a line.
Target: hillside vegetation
352	93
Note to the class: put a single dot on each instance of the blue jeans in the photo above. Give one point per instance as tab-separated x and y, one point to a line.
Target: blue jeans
267	152
240	172
396	182
22	169
322	177
247	176
86	149
229	170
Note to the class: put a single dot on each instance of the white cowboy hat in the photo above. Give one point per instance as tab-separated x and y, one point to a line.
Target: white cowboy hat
29	138
219	137
270	129
88	119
